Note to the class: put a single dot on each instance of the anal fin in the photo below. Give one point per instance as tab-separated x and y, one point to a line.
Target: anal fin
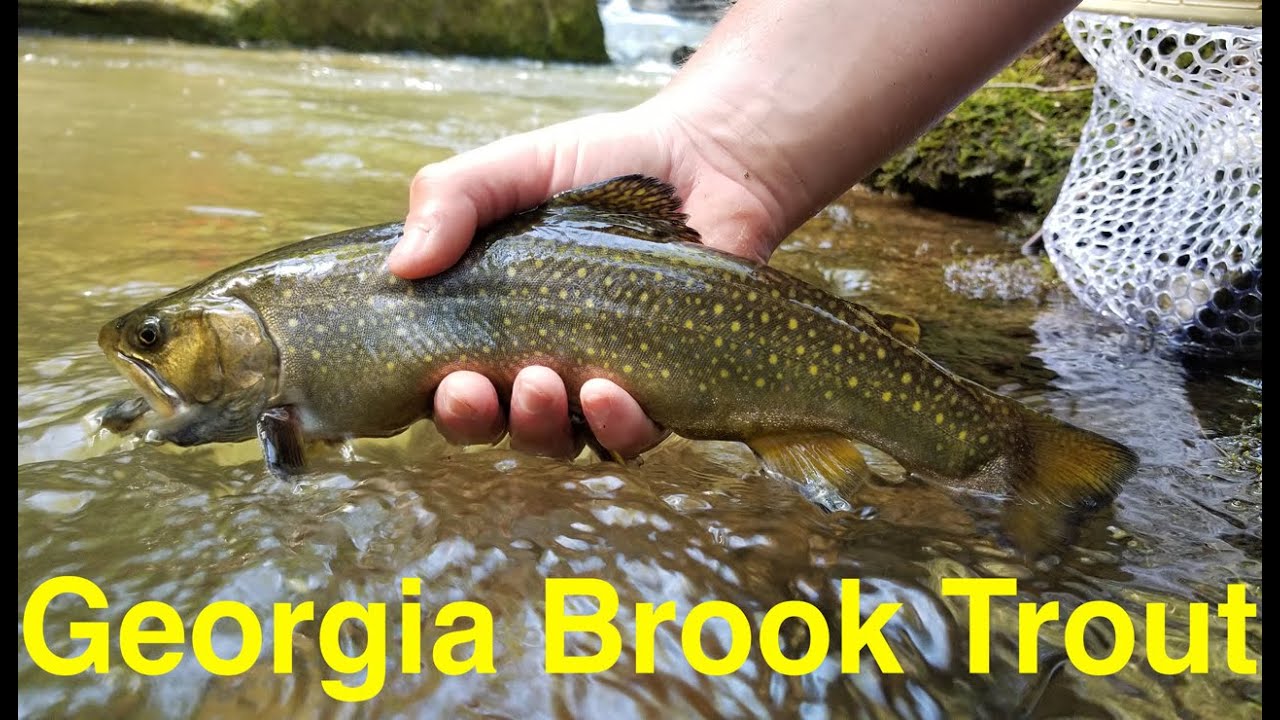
829	467
280	432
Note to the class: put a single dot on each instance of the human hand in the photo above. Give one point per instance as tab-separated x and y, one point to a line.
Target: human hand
728	200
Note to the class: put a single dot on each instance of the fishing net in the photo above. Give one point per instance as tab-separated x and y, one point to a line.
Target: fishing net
1159	222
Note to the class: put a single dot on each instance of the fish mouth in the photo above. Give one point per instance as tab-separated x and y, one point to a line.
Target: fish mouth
159	394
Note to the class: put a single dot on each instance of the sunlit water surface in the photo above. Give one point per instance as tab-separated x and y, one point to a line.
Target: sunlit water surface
144	166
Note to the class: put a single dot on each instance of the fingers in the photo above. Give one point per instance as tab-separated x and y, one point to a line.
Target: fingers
616	418
540	414
467	411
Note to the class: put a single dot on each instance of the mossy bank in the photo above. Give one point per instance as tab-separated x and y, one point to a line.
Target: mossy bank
1006	149
566	30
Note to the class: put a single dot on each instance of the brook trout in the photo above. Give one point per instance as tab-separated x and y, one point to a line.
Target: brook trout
318	341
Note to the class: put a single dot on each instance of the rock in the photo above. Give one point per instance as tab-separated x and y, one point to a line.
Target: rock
1006	149
681	55
565	30
706	11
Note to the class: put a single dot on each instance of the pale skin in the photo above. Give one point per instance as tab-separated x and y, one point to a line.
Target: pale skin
786	106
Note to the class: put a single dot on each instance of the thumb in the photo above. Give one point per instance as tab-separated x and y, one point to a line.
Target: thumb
449	200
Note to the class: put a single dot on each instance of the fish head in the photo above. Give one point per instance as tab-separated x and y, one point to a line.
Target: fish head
206	367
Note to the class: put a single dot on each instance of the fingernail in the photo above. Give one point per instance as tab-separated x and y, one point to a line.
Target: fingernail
601	414
414	242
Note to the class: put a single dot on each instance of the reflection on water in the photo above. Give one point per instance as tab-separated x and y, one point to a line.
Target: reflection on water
145	166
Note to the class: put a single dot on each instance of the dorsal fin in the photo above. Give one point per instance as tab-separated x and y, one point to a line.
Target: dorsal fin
652	201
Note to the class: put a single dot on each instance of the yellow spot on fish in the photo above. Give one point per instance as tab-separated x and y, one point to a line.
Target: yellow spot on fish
880	353
963	434
538	264
657	276
564	294
938	418
764	317
773	359
813	369
724	373
315	354
792	324
644	347
982	439
916	406
591	303
702	387
287	293
937	382
293	322
886	396
735	326
906	378
591	351
863	339
719	342
836	349
544	290
688	324
542	332
752	296
759	382
342	328
775	294
627	369
718	308
391	366
608	281
799	349
665	373
853	381
511	272
828	395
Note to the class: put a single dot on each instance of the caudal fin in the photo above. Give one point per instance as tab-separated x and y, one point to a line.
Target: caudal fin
1064	464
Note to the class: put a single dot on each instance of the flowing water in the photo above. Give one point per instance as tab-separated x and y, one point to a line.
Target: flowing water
144	166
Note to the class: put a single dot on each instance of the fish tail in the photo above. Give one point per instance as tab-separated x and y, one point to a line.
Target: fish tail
1061	463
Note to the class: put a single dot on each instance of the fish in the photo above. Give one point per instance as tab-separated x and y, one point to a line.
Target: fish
318	341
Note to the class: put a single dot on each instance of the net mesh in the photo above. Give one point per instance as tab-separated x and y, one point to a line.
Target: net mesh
1159	222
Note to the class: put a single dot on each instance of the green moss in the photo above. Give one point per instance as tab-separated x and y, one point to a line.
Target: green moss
564	30
1004	150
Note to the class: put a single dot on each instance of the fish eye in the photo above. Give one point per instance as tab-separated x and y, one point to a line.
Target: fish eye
149	333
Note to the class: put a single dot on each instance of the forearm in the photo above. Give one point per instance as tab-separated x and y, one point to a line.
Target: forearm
809	96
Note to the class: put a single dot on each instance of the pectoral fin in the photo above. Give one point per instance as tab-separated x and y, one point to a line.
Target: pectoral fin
822	464
123	415
280	431
582	435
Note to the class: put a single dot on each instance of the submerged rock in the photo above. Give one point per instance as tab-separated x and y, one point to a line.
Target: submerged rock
568	30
